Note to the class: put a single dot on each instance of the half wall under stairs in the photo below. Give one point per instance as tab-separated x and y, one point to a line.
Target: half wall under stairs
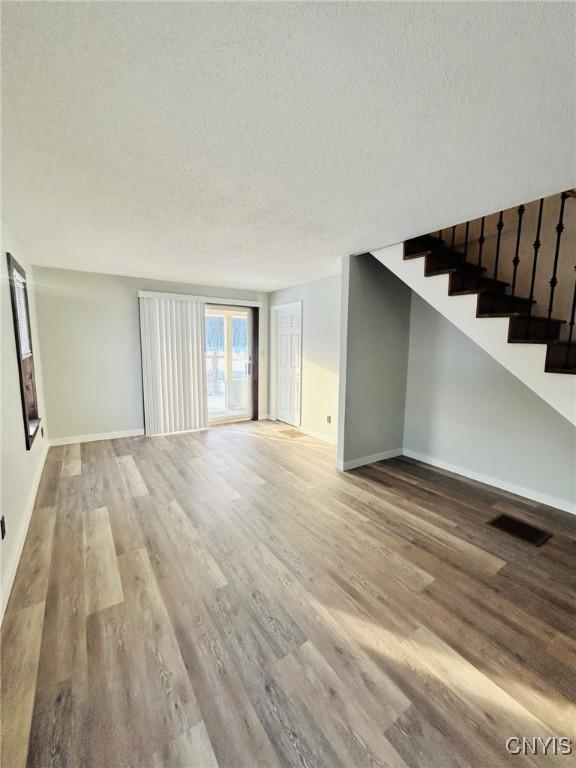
527	361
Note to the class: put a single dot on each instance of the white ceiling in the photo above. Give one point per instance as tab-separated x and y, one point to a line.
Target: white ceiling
253	145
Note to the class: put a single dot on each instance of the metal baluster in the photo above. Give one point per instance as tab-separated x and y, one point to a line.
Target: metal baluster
571	326
536	247
481	240
516	259
440	235
466	240
559	230
499	227
453	237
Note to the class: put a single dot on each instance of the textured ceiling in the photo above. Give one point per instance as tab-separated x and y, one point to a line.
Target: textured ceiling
253	145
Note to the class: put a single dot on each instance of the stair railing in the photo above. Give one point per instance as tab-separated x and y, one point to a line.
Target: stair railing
511	228
499	227
516	259
571	326
537	244
559	231
481	241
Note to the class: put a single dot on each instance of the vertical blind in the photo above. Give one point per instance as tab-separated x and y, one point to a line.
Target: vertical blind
173	364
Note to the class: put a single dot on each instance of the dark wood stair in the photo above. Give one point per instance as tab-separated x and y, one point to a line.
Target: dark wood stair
493	300
533	330
462	283
491	304
419	246
449	262
561	357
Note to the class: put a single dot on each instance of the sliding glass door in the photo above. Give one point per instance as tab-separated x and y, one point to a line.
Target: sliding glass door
229	363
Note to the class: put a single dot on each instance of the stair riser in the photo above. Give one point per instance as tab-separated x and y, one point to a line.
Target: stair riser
559	358
531	330
421	244
438	264
460	282
490	304
416	255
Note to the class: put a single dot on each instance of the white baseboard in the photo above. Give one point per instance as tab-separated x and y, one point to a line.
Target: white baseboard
263	417
94	438
541	498
180	431
21	534
353	463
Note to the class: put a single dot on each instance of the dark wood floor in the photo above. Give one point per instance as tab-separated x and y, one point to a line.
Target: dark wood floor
228	598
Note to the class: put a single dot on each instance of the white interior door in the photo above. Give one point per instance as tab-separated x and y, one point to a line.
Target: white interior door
289	363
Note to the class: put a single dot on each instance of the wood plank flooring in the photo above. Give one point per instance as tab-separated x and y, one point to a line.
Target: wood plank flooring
227	598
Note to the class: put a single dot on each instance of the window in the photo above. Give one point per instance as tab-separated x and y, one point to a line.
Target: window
21	315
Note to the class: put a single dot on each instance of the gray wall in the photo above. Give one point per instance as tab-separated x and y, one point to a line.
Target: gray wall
19	469
90	337
374	358
320	352
464	409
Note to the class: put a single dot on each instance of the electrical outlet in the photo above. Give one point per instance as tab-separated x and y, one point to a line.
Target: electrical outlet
329	419
3	526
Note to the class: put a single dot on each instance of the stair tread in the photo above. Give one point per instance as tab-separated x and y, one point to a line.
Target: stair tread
451	252
531	341
537	318
465	267
426	241
487	283
417	246
569	371
489	292
460	267
417	254
465	291
463	283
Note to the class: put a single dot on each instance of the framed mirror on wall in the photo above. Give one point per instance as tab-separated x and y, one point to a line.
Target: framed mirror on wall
24	351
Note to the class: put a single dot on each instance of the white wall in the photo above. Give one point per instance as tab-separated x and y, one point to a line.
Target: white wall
465	410
320	352
20	469
373	362
90	337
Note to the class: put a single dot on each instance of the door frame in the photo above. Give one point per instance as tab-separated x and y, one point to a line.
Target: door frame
273	343
252	311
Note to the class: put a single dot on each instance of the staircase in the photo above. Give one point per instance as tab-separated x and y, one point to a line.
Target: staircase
507	281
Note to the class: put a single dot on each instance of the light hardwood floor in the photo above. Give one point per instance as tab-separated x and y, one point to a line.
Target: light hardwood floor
227	598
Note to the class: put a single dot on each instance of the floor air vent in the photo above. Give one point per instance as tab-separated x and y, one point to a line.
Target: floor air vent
521	530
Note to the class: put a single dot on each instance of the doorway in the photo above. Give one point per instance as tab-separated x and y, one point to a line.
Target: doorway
229	367
287	362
